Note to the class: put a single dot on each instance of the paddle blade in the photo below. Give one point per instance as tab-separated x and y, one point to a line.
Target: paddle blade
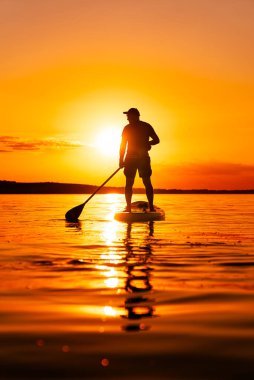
73	214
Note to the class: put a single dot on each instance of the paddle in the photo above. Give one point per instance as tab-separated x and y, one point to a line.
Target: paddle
73	214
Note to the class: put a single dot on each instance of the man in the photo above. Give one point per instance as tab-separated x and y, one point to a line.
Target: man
134	155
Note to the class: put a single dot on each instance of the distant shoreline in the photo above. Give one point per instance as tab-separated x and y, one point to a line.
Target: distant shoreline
13	187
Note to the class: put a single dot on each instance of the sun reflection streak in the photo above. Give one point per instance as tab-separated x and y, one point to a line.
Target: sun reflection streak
110	233
113	204
99	311
111	282
106	271
109	311
111	272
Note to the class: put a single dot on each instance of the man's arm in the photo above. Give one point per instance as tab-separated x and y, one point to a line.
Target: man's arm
155	139
123	146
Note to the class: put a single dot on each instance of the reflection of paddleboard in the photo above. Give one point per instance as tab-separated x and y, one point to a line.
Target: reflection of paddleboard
140	213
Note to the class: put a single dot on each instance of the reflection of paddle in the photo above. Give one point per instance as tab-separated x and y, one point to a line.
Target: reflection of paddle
73	214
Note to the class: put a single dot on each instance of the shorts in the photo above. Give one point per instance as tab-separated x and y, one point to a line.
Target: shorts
143	165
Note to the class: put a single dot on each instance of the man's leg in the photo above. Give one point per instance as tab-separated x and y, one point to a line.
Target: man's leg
149	191
128	192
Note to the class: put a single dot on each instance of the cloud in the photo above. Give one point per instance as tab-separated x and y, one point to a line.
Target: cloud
11	143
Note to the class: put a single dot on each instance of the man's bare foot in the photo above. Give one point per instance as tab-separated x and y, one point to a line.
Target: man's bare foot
152	209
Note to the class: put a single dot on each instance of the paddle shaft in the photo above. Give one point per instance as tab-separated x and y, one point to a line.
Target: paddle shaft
104	183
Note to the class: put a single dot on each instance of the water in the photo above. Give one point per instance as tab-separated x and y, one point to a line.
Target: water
104	299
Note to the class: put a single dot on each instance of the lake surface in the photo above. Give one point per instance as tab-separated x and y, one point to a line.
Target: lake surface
172	299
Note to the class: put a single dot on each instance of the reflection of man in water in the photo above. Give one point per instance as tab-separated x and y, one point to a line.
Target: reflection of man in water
134	155
138	304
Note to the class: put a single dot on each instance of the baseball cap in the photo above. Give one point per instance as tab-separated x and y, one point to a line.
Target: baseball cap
133	110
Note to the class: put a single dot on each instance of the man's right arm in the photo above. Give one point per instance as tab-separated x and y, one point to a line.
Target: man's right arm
123	146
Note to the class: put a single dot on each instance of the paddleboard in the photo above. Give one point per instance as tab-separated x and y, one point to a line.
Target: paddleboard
140	213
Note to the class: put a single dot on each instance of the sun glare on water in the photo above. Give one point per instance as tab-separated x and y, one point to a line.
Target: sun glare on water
108	141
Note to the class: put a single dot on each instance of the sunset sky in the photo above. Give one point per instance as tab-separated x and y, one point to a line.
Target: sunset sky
69	68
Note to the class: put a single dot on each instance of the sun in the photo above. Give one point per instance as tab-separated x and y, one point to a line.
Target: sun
108	141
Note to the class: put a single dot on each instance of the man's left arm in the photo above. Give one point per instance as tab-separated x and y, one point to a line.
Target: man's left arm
155	139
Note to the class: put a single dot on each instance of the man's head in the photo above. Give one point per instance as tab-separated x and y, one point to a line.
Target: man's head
132	115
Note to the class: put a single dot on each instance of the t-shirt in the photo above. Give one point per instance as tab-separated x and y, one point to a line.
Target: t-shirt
137	137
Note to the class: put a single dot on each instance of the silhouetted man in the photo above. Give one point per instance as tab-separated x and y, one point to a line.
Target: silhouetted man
134	155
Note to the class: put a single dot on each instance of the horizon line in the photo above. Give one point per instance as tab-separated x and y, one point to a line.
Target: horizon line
68	184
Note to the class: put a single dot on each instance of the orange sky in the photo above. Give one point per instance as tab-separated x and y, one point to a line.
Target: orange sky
69	68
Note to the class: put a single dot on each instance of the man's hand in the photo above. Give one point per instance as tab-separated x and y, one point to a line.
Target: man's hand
121	164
